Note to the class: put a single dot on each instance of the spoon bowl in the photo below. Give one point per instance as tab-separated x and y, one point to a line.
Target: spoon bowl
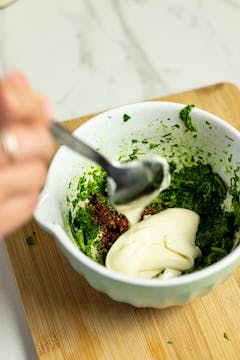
127	182
136	179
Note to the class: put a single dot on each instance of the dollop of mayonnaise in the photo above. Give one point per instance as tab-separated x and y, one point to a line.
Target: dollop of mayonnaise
162	245
134	209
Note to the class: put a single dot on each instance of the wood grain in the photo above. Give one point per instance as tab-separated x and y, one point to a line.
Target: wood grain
70	320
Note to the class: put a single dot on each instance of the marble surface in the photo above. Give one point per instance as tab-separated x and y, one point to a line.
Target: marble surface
90	55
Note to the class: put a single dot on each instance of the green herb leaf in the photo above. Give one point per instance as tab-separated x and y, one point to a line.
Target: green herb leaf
134	154
185	116
30	240
153	145
126	117
229	138
225	335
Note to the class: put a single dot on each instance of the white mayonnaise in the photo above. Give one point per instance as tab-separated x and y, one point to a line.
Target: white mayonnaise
134	209
162	245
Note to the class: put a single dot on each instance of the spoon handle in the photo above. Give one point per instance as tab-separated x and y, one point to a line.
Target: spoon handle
65	137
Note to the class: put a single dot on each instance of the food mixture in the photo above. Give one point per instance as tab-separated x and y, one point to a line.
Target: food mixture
95	225
185	228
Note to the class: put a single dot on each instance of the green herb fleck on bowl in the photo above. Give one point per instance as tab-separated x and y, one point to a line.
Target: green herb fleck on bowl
209	124
153	146
126	117
229	138
185	116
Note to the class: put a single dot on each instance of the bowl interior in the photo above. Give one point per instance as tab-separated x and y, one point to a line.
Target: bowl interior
149	128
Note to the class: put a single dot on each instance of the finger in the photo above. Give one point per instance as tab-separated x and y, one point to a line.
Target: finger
16	211
22	178
11	95
19	102
30	142
16	84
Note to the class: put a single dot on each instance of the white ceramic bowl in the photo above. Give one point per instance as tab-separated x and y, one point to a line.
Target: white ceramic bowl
108	131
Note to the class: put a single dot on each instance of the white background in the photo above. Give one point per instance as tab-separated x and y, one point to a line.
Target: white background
88	55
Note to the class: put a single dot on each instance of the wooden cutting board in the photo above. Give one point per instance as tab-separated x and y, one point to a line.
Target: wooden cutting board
70	320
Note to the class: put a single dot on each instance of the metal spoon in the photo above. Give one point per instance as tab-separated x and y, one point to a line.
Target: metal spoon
127	182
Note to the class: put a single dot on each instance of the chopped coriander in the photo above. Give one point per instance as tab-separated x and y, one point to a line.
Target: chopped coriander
90	218
153	145
225	335
185	116
30	240
170	342
134	141
145	141
199	189
166	135
133	155
208	124
126	117
229	138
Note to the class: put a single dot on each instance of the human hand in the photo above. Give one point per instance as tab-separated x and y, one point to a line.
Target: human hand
26	147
